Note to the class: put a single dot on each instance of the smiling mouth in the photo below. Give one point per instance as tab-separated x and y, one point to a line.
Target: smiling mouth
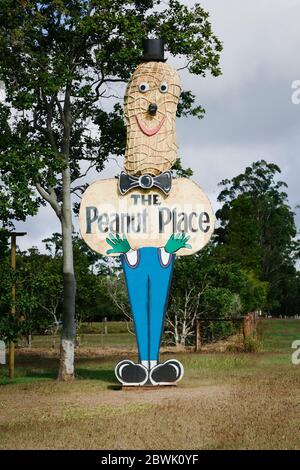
152	130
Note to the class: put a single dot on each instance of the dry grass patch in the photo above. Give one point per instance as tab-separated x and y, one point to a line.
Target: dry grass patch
233	414
225	401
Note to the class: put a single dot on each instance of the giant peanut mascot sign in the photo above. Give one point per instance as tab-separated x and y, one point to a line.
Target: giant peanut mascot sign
146	216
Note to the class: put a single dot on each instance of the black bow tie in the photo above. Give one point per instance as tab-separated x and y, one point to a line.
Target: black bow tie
162	181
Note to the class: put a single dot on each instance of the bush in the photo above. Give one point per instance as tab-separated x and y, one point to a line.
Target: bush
212	331
10	328
252	344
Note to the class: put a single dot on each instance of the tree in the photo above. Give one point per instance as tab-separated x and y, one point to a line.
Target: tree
117	291
39	289
59	60
206	287
9	325
92	300
38	292
257	228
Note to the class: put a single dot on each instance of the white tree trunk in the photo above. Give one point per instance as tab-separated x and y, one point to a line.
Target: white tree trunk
66	369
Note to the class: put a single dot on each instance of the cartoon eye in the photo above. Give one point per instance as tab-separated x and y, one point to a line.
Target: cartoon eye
143	87
163	87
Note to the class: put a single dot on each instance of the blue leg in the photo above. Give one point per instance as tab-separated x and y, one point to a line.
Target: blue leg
160	278
148	289
137	286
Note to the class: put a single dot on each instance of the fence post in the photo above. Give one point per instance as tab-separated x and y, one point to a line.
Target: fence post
246	326
2	353
198	336
105	325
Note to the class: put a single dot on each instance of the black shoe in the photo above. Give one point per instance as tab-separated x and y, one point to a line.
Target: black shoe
129	373
167	373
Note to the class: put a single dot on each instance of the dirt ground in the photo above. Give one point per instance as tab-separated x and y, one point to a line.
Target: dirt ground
225	401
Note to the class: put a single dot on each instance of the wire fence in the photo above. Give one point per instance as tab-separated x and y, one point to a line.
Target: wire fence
209	330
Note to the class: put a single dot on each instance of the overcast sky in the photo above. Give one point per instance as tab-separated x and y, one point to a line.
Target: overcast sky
249	110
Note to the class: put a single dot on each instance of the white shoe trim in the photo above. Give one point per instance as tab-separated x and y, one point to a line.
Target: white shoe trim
129	384
177	366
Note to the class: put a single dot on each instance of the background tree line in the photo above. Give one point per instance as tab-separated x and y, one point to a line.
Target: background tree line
39	287
250	264
60	63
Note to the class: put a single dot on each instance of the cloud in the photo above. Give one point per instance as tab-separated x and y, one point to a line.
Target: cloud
37	228
250	114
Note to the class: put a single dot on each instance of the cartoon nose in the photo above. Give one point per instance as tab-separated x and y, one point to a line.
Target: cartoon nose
152	109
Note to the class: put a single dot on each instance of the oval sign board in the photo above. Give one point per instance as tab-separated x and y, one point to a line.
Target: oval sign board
146	217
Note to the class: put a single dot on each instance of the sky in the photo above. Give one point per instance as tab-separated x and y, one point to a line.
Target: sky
250	113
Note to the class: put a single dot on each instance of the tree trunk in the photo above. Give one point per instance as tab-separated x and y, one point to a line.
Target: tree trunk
198	336
66	368
183	332
176	334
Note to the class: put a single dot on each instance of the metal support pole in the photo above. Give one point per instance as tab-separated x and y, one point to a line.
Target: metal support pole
11	352
13	307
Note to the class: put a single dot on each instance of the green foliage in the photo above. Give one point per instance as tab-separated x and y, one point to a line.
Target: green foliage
115	287
39	289
254	292
226	289
218	330
4	240
10	328
60	62
206	287
257	229
180	172
185	106
252	344
92	299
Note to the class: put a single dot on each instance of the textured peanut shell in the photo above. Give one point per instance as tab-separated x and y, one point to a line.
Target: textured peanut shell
157	153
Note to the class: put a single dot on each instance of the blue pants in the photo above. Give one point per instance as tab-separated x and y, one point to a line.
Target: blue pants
148	284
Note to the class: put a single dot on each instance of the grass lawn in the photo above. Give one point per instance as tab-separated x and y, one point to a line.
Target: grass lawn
225	400
99	340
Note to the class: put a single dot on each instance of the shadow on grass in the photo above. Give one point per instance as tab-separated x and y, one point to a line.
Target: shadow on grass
36	360
114	387
105	375
109	361
28	376
41	374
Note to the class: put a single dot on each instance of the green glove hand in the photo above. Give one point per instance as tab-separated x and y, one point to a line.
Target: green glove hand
118	244
176	242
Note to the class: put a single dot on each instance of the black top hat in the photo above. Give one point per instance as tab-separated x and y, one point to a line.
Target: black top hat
153	50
